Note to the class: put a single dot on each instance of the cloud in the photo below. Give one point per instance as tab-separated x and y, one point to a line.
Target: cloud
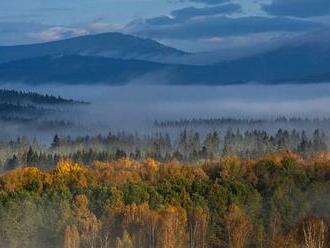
58	33
182	15
186	13
61	32
52	9
209	2
298	8
215	26
100	26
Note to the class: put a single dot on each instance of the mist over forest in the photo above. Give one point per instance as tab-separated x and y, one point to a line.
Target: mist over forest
135	107
165	124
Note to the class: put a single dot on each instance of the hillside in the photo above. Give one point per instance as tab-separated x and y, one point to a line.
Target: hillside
114	45
293	62
74	69
19	107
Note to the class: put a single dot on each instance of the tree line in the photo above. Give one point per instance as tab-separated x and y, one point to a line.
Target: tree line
23	98
187	146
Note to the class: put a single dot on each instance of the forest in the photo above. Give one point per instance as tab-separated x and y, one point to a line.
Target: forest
191	183
235	189
279	200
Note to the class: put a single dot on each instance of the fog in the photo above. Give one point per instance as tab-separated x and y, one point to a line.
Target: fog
135	107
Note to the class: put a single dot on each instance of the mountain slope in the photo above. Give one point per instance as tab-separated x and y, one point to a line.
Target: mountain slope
114	45
75	69
288	63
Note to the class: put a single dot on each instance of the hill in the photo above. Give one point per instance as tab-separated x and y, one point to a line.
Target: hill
32	98
114	45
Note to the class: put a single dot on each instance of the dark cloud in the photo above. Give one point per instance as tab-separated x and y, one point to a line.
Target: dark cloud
298	8
207	11
182	15
215	26
52	10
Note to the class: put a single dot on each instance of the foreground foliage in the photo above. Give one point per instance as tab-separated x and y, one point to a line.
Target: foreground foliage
281	200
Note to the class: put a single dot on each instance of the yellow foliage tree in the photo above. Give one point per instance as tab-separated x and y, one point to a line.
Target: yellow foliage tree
71	237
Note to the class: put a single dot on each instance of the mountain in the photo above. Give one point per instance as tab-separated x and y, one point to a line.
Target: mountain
289	63
114	45
302	61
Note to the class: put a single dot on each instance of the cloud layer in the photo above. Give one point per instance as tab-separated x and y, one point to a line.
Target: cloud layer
185	14
298	8
209	2
213	26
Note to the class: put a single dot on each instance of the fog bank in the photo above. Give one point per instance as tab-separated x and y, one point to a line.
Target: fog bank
135	107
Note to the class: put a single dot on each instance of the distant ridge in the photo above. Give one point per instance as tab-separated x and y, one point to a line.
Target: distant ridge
301	61
114	45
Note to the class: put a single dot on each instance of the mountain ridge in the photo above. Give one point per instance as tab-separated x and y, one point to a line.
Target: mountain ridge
115	45
294	62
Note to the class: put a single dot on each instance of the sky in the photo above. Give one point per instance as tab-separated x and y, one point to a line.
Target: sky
193	25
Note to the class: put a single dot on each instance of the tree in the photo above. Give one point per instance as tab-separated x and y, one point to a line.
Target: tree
197	227
88	224
125	241
56	142
174	228
143	224
319	141
19	223
314	232
238	227
71	237
211	143
31	157
12	163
